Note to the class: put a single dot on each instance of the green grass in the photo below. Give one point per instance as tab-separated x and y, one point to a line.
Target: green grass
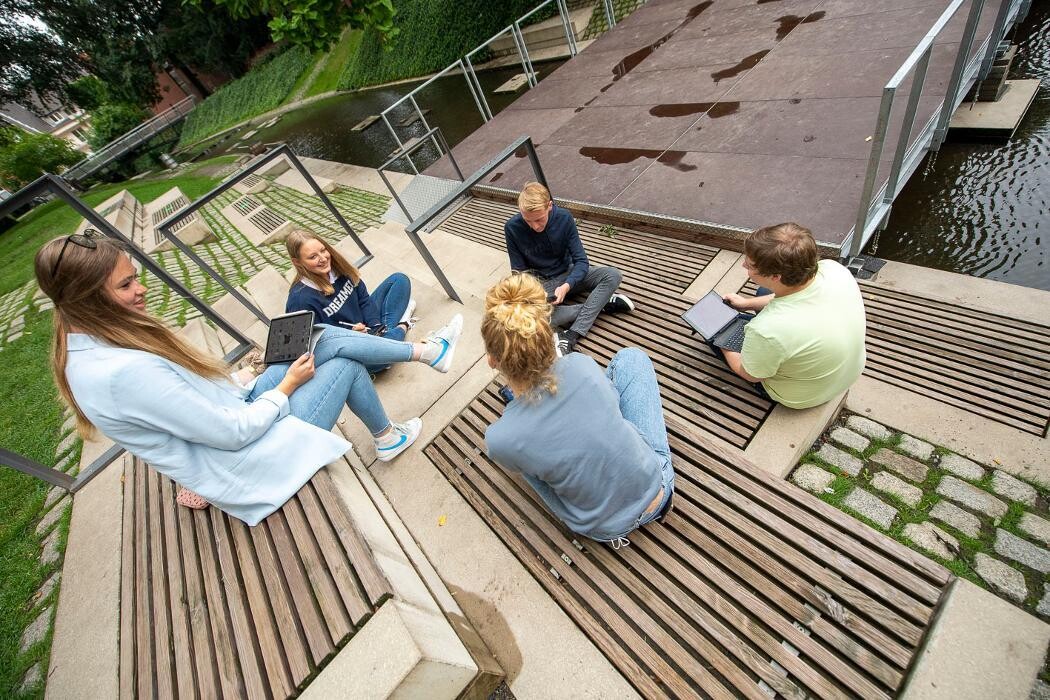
31	430
19	244
263	88
432	35
300	84
327	79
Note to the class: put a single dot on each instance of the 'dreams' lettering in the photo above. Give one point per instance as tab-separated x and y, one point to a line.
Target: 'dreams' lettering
340	298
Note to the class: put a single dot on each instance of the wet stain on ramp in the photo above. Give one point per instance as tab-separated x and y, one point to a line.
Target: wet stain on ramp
746	64
788	22
617	156
631	60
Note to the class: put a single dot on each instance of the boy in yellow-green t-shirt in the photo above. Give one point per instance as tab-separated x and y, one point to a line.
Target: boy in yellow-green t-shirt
806	344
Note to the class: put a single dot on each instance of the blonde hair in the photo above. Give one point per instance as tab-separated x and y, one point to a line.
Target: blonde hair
517	332
340	265
534	197
80	293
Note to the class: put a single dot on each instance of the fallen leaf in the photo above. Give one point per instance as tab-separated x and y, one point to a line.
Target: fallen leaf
868	139
442	520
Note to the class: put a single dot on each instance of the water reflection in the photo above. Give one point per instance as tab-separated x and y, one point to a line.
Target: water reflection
982	209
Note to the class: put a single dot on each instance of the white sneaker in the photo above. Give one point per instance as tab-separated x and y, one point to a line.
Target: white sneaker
408	319
398	440
557	345
445	338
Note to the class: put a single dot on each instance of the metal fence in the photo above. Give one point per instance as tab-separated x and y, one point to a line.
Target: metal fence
874	208
465	66
57	187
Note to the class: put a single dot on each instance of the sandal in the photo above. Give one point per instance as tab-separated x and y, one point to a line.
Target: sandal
254	361
190	499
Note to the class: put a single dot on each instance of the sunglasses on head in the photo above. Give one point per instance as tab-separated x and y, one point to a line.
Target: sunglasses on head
89	239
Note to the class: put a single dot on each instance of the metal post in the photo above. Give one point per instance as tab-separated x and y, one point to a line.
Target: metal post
408	214
520	43
473	92
998	30
961	59
918	78
328	204
525	52
610	14
566	24
426	126
534	159
873	168
481	92
452	158
433	265
400	145
40	471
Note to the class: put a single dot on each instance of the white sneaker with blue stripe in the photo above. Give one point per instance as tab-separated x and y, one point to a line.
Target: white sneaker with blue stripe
399	439
442	344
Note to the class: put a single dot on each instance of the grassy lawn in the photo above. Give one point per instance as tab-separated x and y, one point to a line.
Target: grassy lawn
328	79
19	244
30	426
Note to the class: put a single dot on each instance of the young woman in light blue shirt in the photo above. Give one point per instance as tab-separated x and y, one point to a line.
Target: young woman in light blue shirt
244	448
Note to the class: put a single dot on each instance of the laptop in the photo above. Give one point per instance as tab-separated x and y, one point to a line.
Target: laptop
717	322
291	336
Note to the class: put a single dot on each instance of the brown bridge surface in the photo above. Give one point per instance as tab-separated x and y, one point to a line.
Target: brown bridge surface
737	112
751	587
212	608
993	366
695	385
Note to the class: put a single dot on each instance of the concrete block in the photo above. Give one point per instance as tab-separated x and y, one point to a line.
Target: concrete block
1035	527
1022	551
905	466
933	539
888	483
971	497
1004	580
36	631
871	507
962	467
915	447
787	433
850	439
1014	489
843	460
962	520
868	427
269	290
393	656
980	647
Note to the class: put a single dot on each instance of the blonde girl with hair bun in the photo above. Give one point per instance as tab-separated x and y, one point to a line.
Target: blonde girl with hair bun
592	443
244	448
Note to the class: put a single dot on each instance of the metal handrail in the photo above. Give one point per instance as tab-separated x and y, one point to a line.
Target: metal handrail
429	215
473	84
282	150
406	154
55	185
874	211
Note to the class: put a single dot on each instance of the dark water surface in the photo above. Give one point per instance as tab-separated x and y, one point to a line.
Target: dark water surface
984	209
323	129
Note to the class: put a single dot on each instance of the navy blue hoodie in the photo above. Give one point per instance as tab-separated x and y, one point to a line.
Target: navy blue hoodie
346	305
551	252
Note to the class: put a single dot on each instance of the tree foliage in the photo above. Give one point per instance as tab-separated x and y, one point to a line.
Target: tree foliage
113	120
31	58
26	156
88	92
317	24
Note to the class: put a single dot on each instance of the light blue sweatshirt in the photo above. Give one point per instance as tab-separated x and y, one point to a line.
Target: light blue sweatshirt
245	458
589	464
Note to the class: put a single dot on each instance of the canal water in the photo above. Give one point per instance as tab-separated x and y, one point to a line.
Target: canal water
984	209
323	129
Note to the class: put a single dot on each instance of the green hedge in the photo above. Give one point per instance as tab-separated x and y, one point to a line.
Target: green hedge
433	35
263	88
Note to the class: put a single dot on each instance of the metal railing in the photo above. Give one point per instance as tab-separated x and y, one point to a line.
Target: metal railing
54	185
429	215
406	153
874	209
283	150
130	140
467	67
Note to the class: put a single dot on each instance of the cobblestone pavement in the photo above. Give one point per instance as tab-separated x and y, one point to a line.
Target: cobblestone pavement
982	523
13	307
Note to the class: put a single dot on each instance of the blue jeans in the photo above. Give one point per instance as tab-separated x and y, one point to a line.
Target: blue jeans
340	378
632	375
391	297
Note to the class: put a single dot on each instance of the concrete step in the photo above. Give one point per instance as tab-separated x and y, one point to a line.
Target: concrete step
542	34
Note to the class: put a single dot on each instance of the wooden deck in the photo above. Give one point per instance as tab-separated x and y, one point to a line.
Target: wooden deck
212	608
695	385
751	587
987	364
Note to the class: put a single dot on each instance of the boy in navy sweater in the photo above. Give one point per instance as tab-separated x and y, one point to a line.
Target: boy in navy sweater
542	240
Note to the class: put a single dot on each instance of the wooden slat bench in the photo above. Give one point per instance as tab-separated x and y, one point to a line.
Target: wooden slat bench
212	608
992	366
751	588
695	385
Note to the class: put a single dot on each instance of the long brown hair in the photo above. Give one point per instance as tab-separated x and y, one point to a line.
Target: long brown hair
78	289
340	265
517	332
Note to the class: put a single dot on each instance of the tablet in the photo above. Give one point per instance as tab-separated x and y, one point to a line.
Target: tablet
291	336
